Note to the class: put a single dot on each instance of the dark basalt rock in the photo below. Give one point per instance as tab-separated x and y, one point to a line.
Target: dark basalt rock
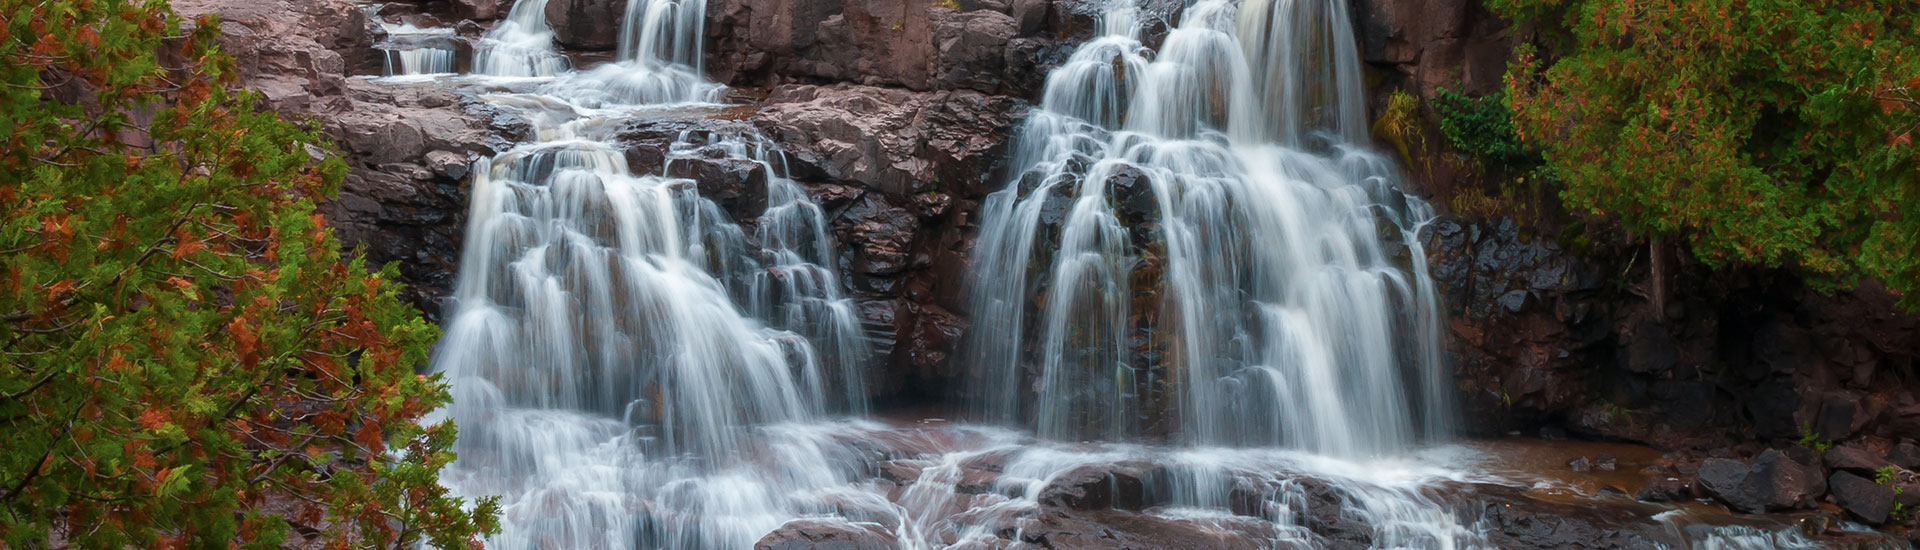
1862	498
1905	455
1773	482
1854	459
1665	489
738	186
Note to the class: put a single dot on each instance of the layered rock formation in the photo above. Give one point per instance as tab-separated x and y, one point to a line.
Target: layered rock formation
409	146
896	114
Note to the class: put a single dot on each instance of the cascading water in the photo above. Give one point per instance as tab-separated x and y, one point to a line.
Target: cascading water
617	340
521	45
410	50
1205	233
632	368
418	61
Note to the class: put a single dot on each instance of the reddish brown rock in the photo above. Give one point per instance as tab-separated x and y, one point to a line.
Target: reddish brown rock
586	24
821	534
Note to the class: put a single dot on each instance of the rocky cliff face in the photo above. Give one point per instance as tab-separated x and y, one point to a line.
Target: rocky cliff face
1553	325
895	114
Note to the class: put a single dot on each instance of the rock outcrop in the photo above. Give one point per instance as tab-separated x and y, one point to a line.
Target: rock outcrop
408	145
902	174
989	46
592	25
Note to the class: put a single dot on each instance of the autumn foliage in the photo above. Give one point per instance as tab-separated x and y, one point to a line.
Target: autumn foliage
186	359
1770	132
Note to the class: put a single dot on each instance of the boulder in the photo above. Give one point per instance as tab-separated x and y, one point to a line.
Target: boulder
1772	483
1725	479
738	186
1664	489
1857	460
1132	486
592	25
1862	498
826	534
1905	455
1779	483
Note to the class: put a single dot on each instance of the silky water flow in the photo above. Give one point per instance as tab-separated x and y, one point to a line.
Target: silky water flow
1196	235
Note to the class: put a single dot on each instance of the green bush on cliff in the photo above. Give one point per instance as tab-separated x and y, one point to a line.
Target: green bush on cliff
1770	132
1482	127
186	361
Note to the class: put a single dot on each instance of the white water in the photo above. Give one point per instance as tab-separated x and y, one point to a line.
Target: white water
418	61
409	51
521	45
634	369
1268	272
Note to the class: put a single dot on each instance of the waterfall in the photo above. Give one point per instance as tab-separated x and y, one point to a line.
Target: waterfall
418	61
520	45
664	30
410	50
1207	234
1198	243
616	342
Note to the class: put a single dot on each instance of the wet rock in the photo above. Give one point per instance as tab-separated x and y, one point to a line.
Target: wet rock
1121	486
893	141
1854	459
880	238
1724	479
1772	483
822	534
1665	489
903	472
1515	521
1779	483
935	332
738	186
592	25
1605	462
1862	498
1132	191
1905	455
1581	464
469	28
1063	529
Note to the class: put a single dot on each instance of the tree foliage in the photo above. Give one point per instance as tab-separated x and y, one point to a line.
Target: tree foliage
186	360
1772	132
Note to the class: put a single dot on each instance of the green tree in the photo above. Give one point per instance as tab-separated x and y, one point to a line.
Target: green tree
186	360
1770	132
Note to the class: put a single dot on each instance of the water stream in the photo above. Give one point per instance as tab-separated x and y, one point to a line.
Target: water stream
1200	246
1204	236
